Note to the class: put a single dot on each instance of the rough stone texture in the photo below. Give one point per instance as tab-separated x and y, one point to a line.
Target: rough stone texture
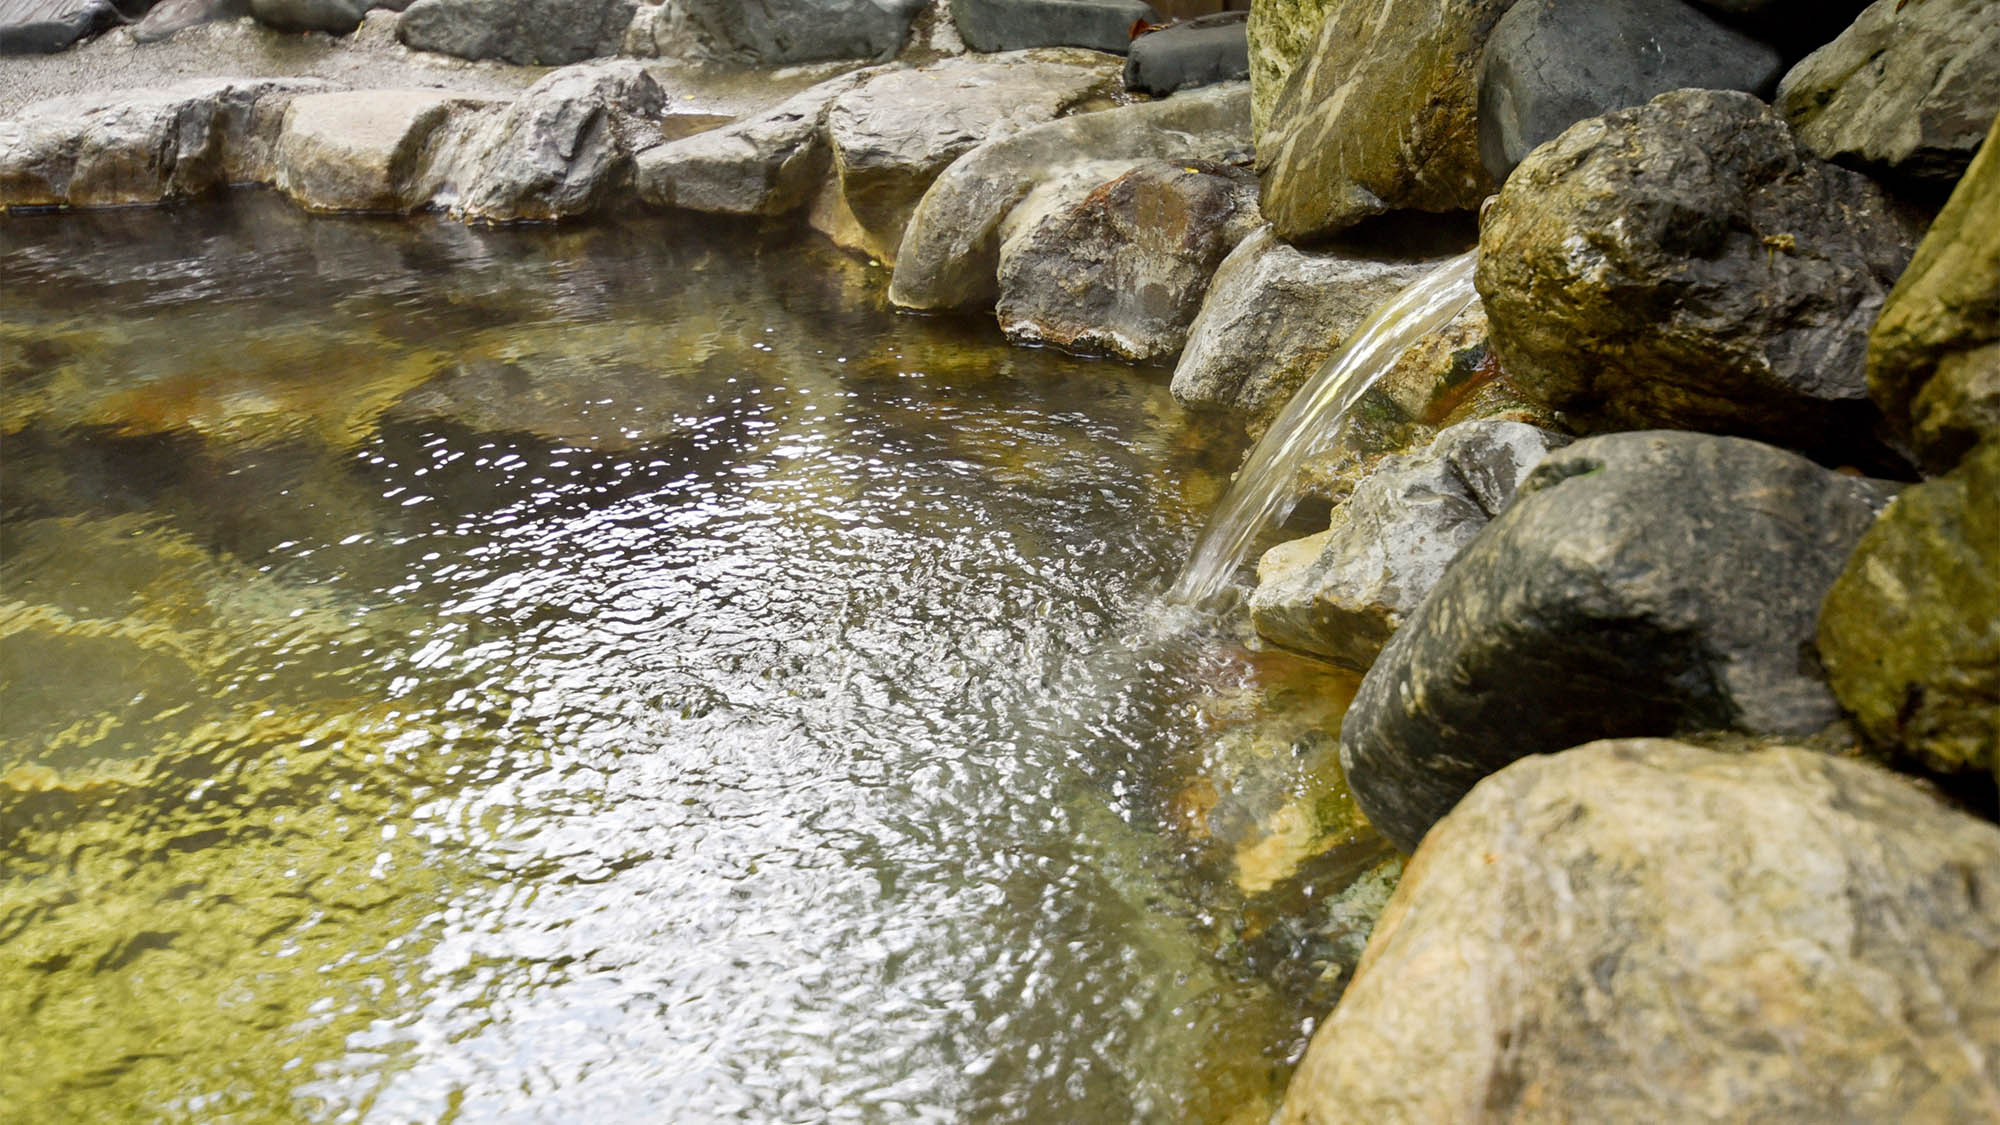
1123	268
362	151
1280	32
174	16
1934	356
1013	25
33	27
1911	630
1649	583
336	16
1909	89
1553	63
1342	593
894	134
1200	52
560	149
951	248
146	146
766	164
1273	315
524	32
1647	931
779	32
1686	264
1380	116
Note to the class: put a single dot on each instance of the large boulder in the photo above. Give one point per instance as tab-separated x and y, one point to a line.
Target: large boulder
1120	268
147	146
560	148
335	16
1200	52
951	248
768	163
780	32
1013	25
1380	116
1342	593
365	150
1934	355
1280	34
1687	264
1909	90
895	133
175	16
34	27
1649	583
1647	931
1911	631
523	32
1551	64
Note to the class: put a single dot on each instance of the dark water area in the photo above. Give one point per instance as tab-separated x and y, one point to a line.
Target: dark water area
624	670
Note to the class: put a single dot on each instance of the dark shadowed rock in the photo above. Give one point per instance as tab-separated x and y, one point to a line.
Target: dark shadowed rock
1911	631
1686	263
1013	25
561	148
1908	91
1200	52
765	164
1647	931
1342	593
175	16
1649	583
1121	268
35	27
777	32
951	248
524	32
1553	63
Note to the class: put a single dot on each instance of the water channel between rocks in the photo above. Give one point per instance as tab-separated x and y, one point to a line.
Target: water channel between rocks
516	673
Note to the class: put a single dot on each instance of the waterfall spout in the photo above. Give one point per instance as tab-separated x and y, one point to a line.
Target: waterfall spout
1265	488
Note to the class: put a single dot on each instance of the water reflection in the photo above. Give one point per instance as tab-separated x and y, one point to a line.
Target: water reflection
520	673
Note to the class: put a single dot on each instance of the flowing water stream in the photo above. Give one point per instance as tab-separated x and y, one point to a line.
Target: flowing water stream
519	674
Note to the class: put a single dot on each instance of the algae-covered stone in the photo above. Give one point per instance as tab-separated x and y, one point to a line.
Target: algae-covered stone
1280	33
1934	357
1911	630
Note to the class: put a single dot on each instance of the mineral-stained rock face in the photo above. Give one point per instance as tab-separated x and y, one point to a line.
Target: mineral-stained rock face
1379	116
1122	269
1648	583
1280	32
1911	631
1646	931
1934	357
1686	264
1909	89
523	32
561	147
1341	593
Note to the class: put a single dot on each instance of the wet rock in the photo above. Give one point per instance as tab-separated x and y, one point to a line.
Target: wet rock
1909	90
1122	268
1380	115
561	147
765	164
778	32
336	16
892	135
1687	264
175	16
951	248
1911	630
35	27
1273	315
1013	25
1280	34
1649	583
1934	355
523	32
1549	65
1342	593
365	150
1664	933
1200	52
144	146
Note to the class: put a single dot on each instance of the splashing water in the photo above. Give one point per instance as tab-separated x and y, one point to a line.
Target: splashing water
1264	490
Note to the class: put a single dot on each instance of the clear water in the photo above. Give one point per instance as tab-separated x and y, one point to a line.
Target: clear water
508	675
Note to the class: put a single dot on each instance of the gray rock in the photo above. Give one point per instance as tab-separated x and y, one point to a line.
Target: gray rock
1013	25
892	135
951	248
560	148
1909	90
1649	583
765	164
145	146
1687	264
1121	267
36	27
1273	314
336	16
1551	64
1647	931
1342	593
366	150
524	32
175	16
777	32
1200	52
